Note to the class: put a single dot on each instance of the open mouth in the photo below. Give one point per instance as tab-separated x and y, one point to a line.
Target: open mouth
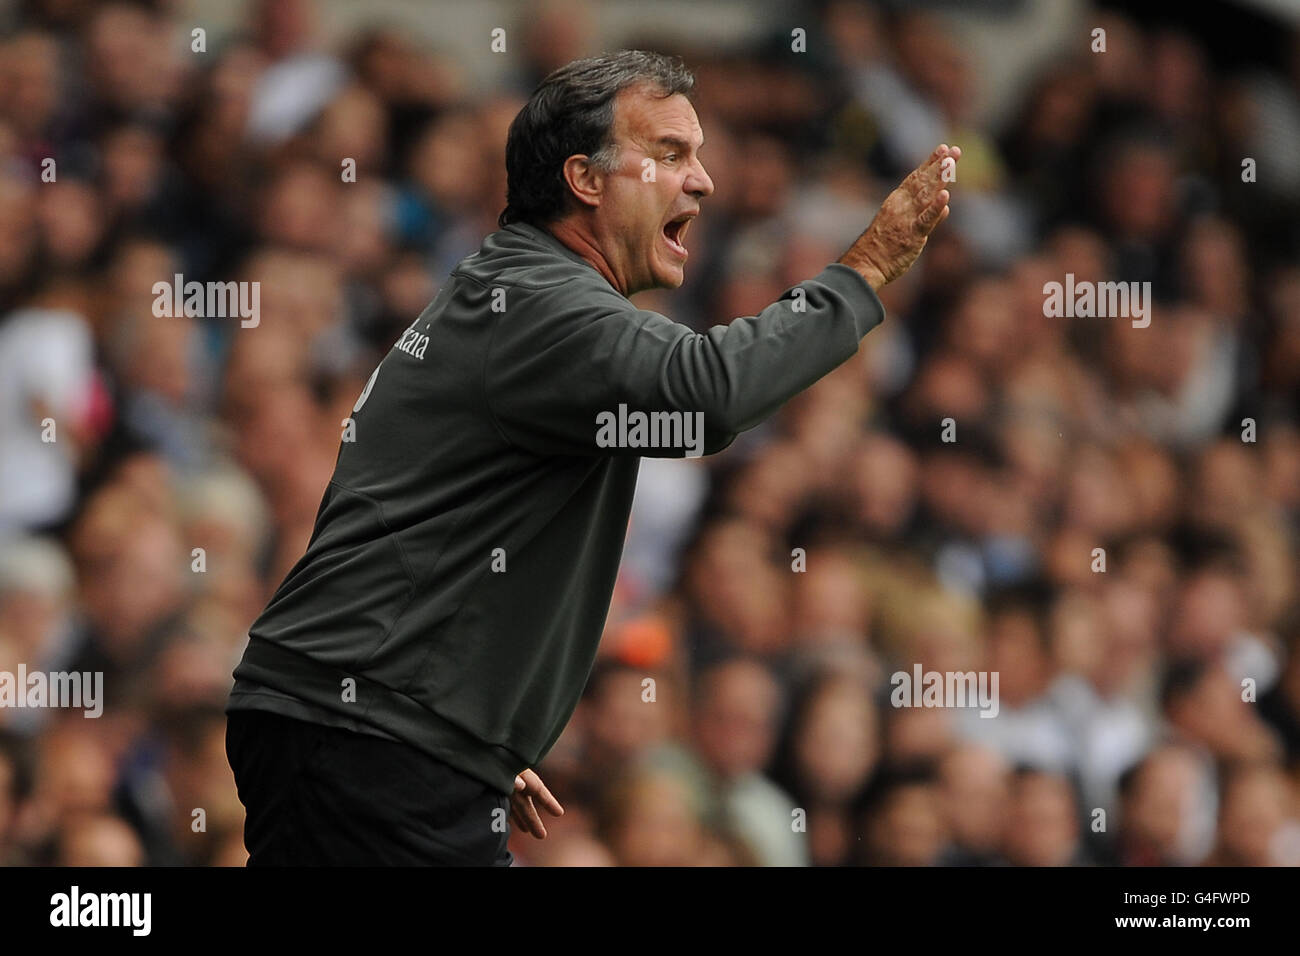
675	233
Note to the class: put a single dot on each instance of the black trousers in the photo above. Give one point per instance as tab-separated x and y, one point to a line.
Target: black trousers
324	796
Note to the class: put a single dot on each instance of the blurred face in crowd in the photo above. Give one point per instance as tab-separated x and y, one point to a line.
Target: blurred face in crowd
1158	811
656	823
74	775
736	721
100	841
974	792
29	73
1253	816
622	725
916	734
830	603
129	559
837	746
884	484
1138	191
908	829
1041	829
738	589
1213	714
637	216
769	489
1018	656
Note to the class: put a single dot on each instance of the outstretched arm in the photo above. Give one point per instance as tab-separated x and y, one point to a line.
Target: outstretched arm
570	353
889	246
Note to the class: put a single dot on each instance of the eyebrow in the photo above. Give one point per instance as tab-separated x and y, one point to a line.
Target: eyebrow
677	143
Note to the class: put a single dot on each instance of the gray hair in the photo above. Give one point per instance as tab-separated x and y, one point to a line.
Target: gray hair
572	113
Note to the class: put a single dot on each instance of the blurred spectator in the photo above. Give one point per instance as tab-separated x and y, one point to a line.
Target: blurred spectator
975	788
735	724
1166	813
1042	827
1258	822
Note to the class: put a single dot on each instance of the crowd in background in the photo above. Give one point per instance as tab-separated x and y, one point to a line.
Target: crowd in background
1113	530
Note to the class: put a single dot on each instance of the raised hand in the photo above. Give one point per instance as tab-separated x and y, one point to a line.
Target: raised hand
906	218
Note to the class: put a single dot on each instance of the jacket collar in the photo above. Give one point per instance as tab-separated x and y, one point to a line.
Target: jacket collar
540	236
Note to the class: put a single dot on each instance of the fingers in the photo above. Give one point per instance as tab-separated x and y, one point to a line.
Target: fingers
520	816
942	152
930	191
932	172
931	168
921	182
532	819
521	822
547	800
523	810
933	214
534	787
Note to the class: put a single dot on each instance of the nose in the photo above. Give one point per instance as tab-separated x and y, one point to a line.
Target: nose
698	183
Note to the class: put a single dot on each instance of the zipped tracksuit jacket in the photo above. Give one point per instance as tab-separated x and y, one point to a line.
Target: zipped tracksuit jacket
464	554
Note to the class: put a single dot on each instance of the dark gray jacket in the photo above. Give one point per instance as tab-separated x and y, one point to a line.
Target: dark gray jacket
465	551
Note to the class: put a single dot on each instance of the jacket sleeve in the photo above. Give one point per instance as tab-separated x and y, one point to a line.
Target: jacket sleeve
563	359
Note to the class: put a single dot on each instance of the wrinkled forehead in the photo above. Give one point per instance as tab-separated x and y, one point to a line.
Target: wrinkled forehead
643	117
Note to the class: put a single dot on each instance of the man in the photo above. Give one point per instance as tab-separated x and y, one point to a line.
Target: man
436	636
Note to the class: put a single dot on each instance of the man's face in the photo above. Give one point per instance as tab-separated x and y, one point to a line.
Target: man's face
650	198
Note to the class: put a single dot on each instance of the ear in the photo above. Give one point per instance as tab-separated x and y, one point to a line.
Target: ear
586	182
